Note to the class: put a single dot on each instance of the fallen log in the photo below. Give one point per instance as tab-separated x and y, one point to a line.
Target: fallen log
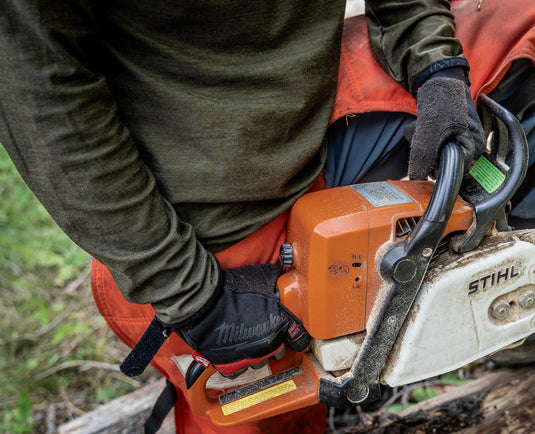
501	401
126	414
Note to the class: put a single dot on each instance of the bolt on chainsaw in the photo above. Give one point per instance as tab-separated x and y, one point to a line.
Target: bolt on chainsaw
396	281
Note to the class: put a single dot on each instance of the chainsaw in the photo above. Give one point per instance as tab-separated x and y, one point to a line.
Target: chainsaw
396	281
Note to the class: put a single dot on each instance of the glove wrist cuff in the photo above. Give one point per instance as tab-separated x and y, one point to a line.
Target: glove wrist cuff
452	67
207	306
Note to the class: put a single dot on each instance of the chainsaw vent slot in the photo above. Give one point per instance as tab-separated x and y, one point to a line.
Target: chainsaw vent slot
405	226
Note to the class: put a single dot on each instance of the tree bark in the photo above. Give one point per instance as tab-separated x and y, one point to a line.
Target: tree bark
502	401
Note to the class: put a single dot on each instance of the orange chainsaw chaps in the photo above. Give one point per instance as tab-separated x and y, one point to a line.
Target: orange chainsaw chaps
291	389
333	290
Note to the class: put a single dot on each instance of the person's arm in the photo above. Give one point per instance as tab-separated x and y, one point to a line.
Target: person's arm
415	42
59	124
410	36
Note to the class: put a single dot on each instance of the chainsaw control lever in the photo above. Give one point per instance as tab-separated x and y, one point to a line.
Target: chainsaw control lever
405	265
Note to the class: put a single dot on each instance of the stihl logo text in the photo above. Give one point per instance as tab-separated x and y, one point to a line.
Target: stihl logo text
491	280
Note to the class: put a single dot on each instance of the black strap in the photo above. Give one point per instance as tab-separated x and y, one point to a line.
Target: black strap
164	404
144	351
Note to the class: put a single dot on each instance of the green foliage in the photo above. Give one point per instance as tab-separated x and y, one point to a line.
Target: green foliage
419	392
396	408
31	244
453	378
105	395
51	333
422	393
17	420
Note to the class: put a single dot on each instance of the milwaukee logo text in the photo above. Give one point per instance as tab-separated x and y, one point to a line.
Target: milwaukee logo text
236	333
491	280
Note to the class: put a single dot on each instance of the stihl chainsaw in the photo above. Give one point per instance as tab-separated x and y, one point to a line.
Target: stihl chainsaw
396	282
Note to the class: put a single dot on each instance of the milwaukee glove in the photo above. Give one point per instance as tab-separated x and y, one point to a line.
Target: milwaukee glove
243	324
445	112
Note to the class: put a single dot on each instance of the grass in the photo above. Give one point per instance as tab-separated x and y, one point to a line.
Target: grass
57	356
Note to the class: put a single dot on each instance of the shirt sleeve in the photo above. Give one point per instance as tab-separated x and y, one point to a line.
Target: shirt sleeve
409	36
59	124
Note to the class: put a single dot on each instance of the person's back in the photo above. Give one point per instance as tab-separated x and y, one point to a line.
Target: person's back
227	101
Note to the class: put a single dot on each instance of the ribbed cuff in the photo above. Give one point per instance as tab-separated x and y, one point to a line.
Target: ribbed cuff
453	63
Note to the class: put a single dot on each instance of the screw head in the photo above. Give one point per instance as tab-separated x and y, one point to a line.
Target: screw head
500	310
428	251
527	301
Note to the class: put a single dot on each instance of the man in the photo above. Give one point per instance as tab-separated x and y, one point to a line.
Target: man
164	136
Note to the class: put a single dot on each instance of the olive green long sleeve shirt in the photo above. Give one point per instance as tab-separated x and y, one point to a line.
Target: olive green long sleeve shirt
409	36
157	132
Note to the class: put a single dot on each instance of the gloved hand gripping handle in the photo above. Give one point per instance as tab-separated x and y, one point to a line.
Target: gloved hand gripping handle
242	324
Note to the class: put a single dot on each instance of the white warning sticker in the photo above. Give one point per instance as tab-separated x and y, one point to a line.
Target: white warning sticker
381	194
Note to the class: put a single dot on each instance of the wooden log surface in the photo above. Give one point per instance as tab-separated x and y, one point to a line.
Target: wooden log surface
500	402
126	414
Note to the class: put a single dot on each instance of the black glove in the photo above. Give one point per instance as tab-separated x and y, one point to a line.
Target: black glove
243	324
446	112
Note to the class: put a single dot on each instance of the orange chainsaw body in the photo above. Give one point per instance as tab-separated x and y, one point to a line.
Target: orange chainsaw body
337	236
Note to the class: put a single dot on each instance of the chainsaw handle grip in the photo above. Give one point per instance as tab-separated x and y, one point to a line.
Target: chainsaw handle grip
407	260
447	186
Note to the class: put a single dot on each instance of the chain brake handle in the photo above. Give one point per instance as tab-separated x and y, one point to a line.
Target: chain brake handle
508	156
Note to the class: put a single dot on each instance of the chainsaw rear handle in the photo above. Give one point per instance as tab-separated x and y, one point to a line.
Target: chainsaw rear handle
293	385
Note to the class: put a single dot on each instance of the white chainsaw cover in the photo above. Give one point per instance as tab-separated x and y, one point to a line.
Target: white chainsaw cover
469	306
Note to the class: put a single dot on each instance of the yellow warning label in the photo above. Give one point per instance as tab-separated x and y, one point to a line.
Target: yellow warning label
257	398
